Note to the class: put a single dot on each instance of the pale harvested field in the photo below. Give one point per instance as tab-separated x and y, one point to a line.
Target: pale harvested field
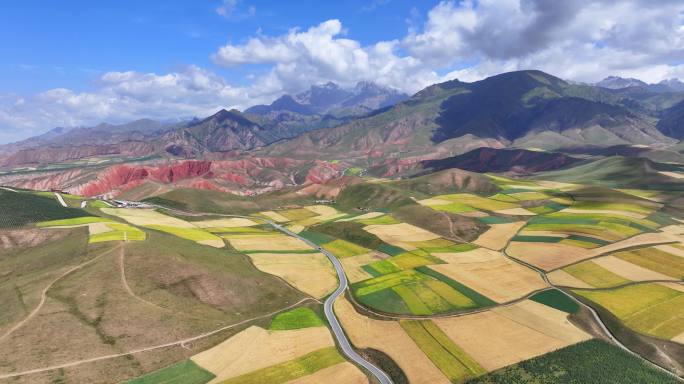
638	240
267	243
322	210
400	234
96	228
671	250
256	348
628	270
560	277
674	175
516	212
217	243
675	229
147	217
365	216
433	201
497	235
676	286
496	277
544	319
275	216
390	338
510	335
311	273
343	373
527	232
547	256
319	219
352	265
296	228
225	223
477	255
604	212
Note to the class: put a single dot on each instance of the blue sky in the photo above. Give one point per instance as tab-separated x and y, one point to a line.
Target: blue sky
49	44
79	63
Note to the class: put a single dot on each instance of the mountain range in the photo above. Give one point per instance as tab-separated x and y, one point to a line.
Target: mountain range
379	130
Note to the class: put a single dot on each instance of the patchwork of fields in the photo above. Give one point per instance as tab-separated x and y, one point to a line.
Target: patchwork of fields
452	310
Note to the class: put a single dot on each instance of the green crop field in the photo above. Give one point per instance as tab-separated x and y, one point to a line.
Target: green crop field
119	232
74	221
556	299
382	220
476	297
418	293
194	234
297	214
595	275
291	370
342	248
655	260
414	259
21	208
185	372
453	208
442	351
478	202
592	361
297	318
651	308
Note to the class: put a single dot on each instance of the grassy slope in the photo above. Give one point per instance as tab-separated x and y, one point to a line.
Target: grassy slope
21	208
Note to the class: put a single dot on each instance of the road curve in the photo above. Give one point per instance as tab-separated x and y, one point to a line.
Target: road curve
340	336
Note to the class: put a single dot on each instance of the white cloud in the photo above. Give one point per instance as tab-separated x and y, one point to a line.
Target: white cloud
121	97
582	40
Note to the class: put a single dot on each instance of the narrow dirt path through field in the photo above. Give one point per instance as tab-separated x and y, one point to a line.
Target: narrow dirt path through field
43	294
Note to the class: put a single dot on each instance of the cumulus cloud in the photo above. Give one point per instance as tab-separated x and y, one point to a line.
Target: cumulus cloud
121	97
583	40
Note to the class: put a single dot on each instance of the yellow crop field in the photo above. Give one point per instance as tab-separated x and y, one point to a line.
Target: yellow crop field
353	265
256	348
400	235
322	210
519	332
226	223
390	338
498	235
342	248
311	273
595	275
496	277
564	279
342	373
629	270
653	309
267	243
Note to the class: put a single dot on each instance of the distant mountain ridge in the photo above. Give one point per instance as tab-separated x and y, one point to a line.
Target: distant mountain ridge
330	98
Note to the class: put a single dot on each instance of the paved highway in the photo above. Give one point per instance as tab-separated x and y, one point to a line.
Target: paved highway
341	337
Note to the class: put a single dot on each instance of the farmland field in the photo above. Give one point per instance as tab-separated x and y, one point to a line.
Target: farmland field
652	309
21	208
447	356
595	275
297	318
185	372
593	361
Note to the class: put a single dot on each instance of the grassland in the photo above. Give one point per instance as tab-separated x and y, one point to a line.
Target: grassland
185	372
21	208
454	363
593	361
297	318
652	309
291	370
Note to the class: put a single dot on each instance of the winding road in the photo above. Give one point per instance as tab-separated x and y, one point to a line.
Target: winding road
340	336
